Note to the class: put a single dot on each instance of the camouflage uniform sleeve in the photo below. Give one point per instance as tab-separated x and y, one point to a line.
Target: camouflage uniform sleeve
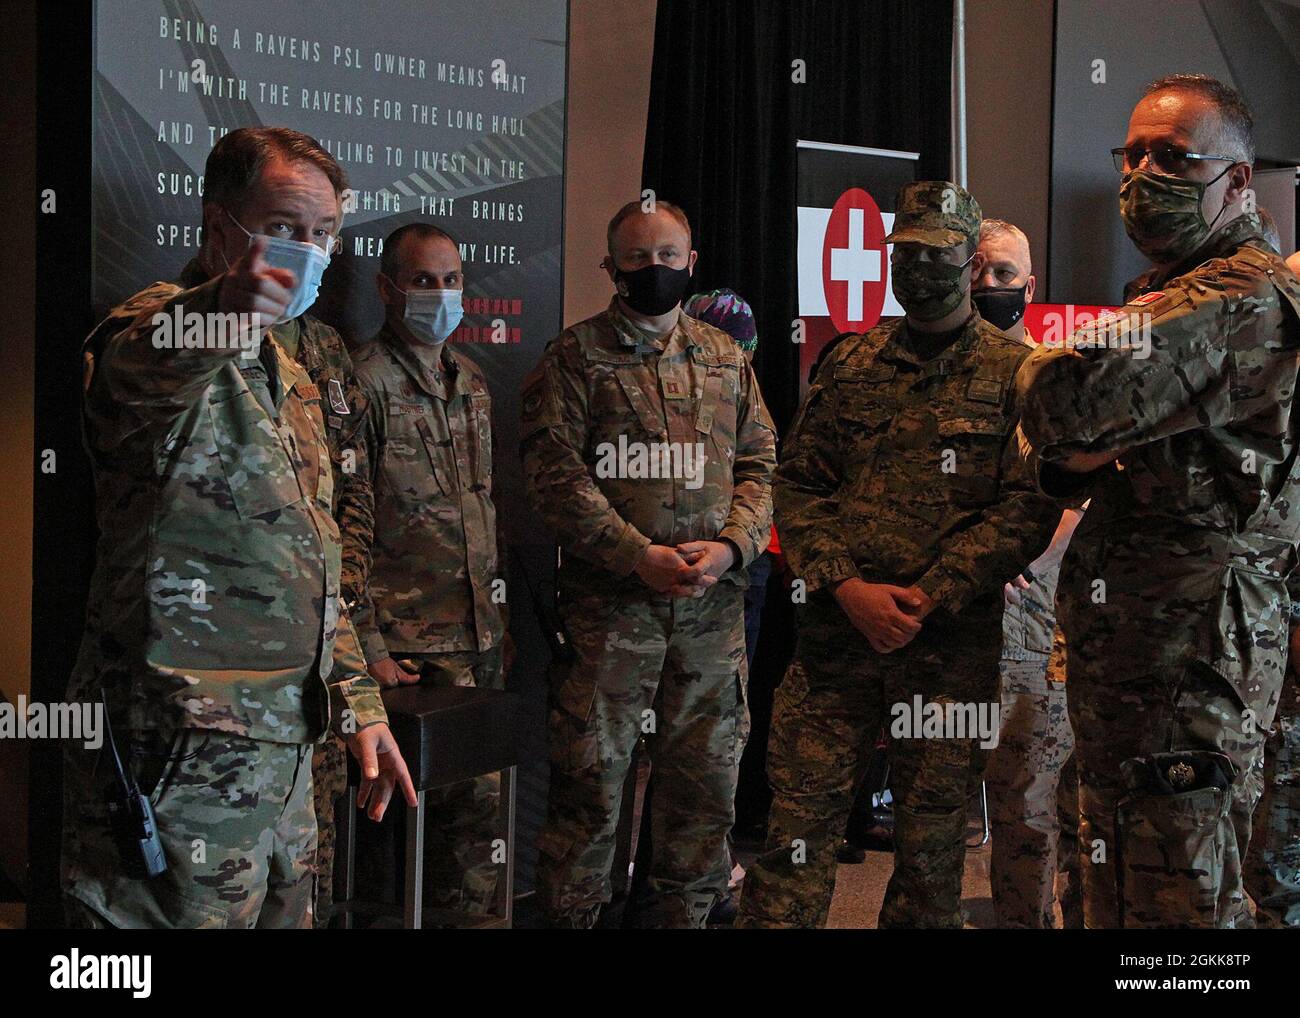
559	484
356	503
1144	379
1293	592
749	523
369	441
1013	531
806	491
351	687
131	379
356	519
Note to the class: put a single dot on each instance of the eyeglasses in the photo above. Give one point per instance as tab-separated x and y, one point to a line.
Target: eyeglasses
1167	159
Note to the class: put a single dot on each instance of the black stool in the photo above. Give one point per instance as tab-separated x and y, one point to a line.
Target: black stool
446	735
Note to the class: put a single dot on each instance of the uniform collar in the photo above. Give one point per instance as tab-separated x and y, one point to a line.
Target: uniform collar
631	337
1219	244
442	383
902	344
194	274
291	373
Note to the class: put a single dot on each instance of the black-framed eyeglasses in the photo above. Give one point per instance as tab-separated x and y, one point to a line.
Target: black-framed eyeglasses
1168	159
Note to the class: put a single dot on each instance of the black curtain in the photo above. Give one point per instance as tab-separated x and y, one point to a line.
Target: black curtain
725	115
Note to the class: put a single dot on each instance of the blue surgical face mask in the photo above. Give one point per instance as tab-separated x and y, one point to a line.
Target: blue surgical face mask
432	315
307	262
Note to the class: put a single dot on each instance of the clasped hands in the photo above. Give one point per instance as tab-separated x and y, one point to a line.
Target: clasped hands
686	570
888	616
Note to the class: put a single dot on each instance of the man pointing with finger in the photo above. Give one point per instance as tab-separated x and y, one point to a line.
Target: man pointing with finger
215	633
901	505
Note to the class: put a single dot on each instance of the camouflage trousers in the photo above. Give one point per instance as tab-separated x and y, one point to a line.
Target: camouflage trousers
835	699
1169	860
674	671
329	770
236	822
1272	869
462	821
1034	799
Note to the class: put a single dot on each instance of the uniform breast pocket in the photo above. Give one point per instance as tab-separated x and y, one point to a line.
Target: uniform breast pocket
478	437
866	412
624	401
717	410
257	468
417	463
970	458
867	403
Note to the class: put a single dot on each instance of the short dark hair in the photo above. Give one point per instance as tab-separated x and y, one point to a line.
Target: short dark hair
1237	124
637	206
236	161
393	243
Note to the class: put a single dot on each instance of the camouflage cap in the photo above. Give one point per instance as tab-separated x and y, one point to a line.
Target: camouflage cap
936	213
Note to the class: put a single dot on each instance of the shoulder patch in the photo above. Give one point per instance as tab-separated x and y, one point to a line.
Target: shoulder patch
1147	298
338	403
985	390
309	391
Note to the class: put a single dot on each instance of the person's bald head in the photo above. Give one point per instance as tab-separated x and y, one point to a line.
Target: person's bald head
1005	257
636	237
1003	264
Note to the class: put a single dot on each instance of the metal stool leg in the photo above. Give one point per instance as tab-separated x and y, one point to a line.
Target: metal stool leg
984	814
348	823
415	863
507	886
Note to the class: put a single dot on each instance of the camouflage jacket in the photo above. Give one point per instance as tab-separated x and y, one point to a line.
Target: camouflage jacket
1203	514
1029	627
612	427
428	437
902	469
214	602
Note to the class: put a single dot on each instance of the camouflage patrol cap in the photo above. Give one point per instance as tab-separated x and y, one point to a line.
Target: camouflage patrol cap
936	213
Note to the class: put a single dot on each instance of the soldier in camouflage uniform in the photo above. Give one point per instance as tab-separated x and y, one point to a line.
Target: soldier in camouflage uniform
213	625
1272	866
647	449
437	585
1033	807
320	351
903	508
1175	414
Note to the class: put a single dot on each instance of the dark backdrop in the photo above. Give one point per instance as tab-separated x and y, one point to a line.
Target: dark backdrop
720	141
725	116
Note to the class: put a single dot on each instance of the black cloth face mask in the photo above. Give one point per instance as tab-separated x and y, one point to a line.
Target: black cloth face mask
652	290
1001	306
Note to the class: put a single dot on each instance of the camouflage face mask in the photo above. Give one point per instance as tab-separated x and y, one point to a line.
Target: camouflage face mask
1162	214
929	290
